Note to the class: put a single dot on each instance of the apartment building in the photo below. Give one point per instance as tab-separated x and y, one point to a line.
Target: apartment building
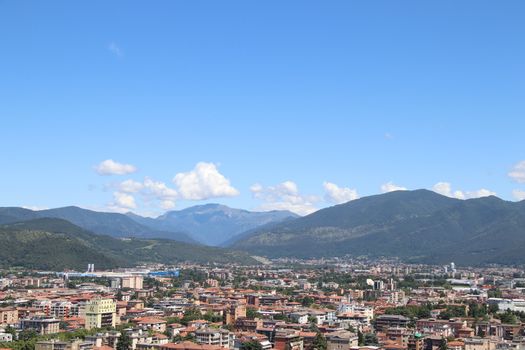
101	313
218	337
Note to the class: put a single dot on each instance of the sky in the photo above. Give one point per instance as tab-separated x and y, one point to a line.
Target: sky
152	106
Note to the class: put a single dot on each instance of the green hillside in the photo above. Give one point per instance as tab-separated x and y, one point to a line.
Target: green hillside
57	244
418	226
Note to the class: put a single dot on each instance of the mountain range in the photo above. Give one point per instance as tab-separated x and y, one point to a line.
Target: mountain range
57	244
210	224
213	224
416	226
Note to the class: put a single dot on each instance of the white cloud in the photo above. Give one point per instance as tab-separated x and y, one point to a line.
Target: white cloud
390	187
149	191
518	172
130	186
111	167
518	194
445	189
203	182
159	189
115	49
123	201
34	207
284	196
337	195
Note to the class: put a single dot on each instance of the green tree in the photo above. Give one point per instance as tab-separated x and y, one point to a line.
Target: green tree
251	313
27	334
320	342
251	345
10	330
494	293
124	342
307	301
443	344
370	339
360	338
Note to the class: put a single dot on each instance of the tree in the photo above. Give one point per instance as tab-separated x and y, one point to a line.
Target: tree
251	313
494	293
251	345
307	301
10	330
124	342
443	344
370	339
27	334
320	342
360	338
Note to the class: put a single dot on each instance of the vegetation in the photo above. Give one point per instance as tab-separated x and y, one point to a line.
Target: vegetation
124	342
251	345
320	342
419	226
56	244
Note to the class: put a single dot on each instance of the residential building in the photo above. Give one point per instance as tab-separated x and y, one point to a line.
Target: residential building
61	345
212	336
42	325
341	340
383	322
101	313
8	316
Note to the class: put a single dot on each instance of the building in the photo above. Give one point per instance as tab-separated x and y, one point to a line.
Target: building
288	340
133	282
416	342
60	345
246	338
341	340
151	323
5	337
476	343
217	337
383	322
300	317
101	313
233	313
41	325
8	316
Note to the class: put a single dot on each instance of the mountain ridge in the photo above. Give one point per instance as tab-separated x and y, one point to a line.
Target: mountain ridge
417	226
213	224
105	223
53	243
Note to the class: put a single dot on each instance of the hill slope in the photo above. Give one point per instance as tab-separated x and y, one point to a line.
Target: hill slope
50	243
213	224
112	224
419	226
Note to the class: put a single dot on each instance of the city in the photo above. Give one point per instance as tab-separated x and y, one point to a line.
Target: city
327	304
262	175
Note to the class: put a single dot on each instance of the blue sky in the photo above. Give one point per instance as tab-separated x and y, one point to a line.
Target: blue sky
259	105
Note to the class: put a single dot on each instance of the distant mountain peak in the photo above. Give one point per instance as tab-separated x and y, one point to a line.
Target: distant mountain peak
418	226
214	223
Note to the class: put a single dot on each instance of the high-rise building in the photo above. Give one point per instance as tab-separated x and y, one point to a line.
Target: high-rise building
101	313
133	282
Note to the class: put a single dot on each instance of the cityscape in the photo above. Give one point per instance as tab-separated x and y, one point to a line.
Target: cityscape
262	175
